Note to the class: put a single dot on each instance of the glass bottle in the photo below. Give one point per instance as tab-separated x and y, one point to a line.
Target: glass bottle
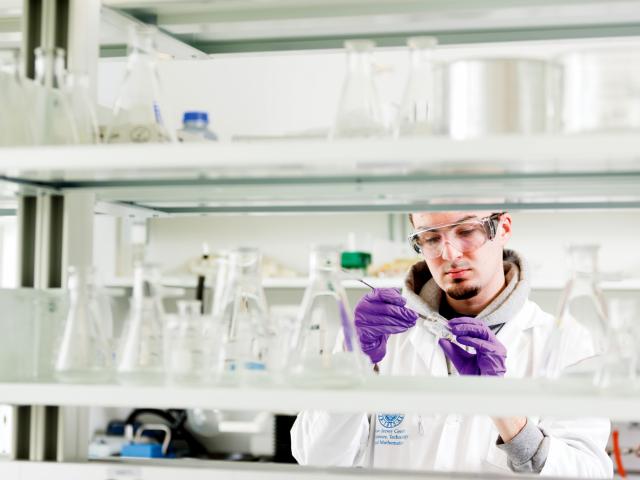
359	112
141	349
140	112
243	316
620	363
579	341
84	354
76	88
195	128
15	122
54	123
325	349
187	345
416	113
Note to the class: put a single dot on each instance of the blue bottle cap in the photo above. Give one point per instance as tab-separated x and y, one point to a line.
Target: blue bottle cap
195	117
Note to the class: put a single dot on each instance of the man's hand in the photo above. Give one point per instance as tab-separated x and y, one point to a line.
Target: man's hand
379	314
490	355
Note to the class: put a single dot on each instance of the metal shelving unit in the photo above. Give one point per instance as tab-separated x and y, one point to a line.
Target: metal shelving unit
54	184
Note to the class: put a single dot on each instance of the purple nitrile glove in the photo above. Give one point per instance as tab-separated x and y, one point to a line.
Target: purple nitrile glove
378	314
490	355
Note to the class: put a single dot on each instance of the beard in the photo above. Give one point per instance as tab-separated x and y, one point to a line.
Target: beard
463	292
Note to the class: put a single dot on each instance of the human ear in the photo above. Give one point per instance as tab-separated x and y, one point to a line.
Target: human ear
504	229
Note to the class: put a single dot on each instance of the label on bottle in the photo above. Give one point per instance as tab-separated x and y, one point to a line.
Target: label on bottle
138	133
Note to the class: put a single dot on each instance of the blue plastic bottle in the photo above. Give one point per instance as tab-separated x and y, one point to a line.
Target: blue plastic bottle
195	128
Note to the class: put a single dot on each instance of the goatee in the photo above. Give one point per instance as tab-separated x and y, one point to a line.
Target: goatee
462	292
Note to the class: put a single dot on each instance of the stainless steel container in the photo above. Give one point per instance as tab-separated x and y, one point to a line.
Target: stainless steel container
602	90
500	96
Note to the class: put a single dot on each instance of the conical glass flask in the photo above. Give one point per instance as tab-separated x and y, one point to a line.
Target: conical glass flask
325	349
620	363
416	113
140	113
84	354
579	341
140	353
188	345
359	113
76	88
15	121
54	123
243	316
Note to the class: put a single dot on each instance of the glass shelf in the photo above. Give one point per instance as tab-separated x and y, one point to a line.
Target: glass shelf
385	175
243	25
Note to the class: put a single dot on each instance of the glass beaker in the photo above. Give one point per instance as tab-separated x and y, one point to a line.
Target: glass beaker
325	351
84	354
620	361
579	341
15	121
416	115
140	112
54	123
188	345
359	112
76	88
141	349
243	316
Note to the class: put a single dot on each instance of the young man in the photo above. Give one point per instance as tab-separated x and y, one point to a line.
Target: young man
482	289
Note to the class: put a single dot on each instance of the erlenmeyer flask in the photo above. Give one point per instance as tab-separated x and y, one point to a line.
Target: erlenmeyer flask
188	345
140	113
243	316
15	124
325	350
84	354
53	119
76	88
359	113
140	354
620	361
416	113
579	341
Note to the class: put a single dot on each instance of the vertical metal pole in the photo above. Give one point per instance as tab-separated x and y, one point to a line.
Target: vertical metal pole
56	231
83	49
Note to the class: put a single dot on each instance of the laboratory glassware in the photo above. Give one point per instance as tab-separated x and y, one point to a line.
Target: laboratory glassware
620	361
54	123
188	345
416	115
495	96
140	112
195	128
581	320
325	350
601	90
15	124
359	112
84	353
78	94
141	350
243	315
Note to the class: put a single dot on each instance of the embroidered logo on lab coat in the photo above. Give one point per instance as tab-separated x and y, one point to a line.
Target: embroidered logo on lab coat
390	420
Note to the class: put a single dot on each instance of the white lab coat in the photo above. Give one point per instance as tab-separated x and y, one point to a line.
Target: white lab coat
453	442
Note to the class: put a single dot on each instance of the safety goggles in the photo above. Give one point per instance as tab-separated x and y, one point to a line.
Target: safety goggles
465	236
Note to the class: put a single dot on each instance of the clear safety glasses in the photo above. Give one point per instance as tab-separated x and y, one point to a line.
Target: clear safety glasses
465	236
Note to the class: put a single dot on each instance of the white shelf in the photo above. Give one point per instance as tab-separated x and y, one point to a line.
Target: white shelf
491	396
208	470
539	172
377	282
224	26
269	283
